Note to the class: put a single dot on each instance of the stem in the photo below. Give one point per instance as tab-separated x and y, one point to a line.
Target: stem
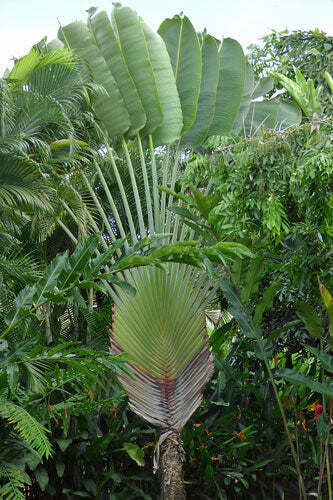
284	419
156	195
47	323
329	484
123	194
327	455
135	189
98	205
172	187
114	209
67	231
171	465
147	189
297	443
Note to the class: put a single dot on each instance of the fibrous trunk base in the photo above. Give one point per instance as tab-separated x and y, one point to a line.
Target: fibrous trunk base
172	457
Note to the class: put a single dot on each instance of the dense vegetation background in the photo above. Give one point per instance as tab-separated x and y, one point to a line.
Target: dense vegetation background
66	430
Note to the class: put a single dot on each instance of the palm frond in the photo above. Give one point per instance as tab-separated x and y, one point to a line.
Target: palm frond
26	426
14	482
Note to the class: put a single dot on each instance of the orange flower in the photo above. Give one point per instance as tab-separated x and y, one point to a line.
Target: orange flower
201	447
247	402
114	411
208	433
192	459
239	416
215	458
303	425
240	435
151	443
312	406
197	425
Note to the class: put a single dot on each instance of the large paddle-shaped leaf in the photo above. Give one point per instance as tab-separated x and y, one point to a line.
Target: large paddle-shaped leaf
245	102
162	330
170	129
110	48
271	115
207	97
230	87
134	48
184	50
110	109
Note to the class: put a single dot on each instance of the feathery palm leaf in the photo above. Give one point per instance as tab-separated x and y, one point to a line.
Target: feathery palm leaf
26	426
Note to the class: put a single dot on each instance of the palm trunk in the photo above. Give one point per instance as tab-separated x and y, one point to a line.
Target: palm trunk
171	465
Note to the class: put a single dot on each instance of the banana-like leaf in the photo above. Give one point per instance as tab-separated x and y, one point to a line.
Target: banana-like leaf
207	97
299	379
111	50
184	50
245	102
230	87
110	109
134	48
262	87
272	115
162	330
170	129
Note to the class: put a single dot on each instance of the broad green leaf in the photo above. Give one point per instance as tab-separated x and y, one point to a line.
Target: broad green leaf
110	109
218	337
297	93
275	333
262	87
302	380
236	308
110	48
183	47
78	261
133	45
272	115
329	79
230	87
322	427
253	277
258	465
49	280
135	452
96	264
42	477
63	443
60	468
310	318
238	125
328	301
170	129
266	302
22	303
208	89
325	359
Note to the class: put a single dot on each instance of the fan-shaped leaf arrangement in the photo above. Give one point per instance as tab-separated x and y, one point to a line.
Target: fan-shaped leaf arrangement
169	87
162	329
159	84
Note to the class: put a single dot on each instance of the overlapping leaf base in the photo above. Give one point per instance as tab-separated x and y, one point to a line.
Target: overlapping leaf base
162	329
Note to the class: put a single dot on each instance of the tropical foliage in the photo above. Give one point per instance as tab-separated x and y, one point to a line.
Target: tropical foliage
162	234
